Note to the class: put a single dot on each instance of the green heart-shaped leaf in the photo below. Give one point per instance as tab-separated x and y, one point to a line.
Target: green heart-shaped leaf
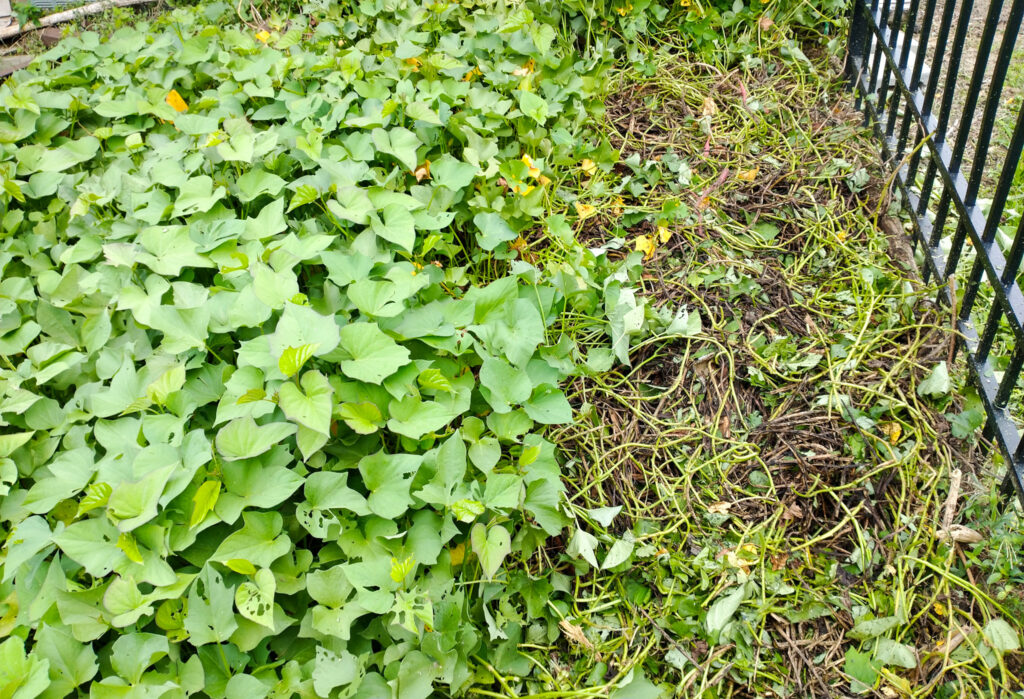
311	405
242	438
370	354
491	545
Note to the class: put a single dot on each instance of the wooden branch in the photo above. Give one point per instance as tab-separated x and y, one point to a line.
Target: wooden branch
92	8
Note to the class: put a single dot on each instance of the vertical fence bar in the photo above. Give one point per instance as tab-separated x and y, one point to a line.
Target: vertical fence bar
888	73
964	132
945	109
857	44
915	83
941	41
908	40
988	34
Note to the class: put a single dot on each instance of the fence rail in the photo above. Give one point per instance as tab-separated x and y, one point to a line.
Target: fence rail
906	64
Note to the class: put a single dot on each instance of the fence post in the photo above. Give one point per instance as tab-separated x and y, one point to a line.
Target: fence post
857	42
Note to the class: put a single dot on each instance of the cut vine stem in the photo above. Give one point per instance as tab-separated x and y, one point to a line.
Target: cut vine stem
93	8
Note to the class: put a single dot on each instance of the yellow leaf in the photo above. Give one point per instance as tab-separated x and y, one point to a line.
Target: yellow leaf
841	235
939	608
126	542
471	74
523	189
588	166
293	358
400	569
664	234
176	102
216	138
203	502
457	554
736	562
720	508
414	63
708	108
527	69
617	207
422	172
645	245
240	565
584	210
534	171
741	558
8	613
262	36
747	175
543	180
684	3
893	430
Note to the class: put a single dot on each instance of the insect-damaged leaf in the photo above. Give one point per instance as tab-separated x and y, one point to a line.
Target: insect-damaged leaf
211	617
255	599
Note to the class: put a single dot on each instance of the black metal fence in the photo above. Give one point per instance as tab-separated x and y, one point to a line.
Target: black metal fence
930	76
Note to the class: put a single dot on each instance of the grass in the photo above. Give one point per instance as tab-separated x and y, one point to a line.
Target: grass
786	487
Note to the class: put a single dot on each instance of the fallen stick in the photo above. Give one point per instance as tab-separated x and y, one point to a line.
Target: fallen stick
92	8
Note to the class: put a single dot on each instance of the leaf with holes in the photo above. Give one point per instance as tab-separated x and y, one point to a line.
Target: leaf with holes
255	599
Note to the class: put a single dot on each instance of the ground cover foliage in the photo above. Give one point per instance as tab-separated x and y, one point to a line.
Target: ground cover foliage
401	349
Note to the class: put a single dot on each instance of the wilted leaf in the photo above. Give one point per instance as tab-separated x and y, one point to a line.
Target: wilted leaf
575	634
176	102
646	245
960	534
1001	636
937	383
584	210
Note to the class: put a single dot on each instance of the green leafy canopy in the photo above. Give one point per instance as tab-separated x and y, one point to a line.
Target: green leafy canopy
273	393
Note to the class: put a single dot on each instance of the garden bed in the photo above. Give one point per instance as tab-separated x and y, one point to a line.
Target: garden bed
410	351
